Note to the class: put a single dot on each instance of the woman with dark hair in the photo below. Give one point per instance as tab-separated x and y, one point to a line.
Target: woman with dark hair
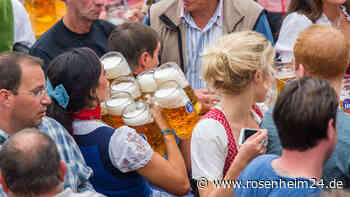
123	162
302	14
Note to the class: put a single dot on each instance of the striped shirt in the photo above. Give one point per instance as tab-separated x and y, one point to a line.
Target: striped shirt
197	40
78	173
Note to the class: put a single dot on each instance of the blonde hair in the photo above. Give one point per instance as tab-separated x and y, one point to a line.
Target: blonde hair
231	63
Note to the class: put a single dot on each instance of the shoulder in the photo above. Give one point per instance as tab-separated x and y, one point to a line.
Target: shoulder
162	6
106	26
48	39
245	6
295	17
208	128
262	162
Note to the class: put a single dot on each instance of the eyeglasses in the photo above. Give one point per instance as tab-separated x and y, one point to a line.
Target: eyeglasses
36	93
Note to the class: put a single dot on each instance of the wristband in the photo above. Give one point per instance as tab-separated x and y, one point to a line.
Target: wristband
167	132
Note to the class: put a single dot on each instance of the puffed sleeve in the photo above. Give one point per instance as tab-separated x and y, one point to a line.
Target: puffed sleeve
128	151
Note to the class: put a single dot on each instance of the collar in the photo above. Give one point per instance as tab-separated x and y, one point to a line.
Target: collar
3	137
88	114
217	16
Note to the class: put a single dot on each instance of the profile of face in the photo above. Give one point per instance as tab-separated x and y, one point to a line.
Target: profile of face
195	5
148	61
87	9
102	90
154	60
31	102
263	83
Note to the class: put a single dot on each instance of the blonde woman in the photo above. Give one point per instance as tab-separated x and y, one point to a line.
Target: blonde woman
239	68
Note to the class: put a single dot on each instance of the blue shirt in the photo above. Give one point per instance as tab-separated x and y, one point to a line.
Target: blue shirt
259	179
78	173
337	166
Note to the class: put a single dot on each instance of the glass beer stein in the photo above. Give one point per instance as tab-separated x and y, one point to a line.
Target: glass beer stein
115	65
147	84
115	106
171	71
42	15
345	96
138	116
176	108
126	84
285	73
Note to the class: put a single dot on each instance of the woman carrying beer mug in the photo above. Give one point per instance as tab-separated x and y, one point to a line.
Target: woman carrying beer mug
239	68
123	162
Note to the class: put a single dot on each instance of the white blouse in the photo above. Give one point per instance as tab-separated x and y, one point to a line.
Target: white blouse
128	151
209	147
292	25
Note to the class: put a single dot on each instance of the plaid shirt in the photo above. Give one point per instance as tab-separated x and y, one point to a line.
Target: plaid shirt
78	173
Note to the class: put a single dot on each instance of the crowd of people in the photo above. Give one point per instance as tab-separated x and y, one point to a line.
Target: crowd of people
54	143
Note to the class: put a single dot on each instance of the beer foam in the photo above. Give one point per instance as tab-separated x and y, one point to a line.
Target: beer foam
147	83
170	97
285	73
167	74
116	106
137	117
115	67
129	87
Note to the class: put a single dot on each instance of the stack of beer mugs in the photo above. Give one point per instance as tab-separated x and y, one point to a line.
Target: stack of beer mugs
345	95
285	73
115	106
176	108
147	84
126	84
138	116
115	65
171	71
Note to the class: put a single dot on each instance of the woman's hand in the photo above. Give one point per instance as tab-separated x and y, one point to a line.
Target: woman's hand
252	147
158	116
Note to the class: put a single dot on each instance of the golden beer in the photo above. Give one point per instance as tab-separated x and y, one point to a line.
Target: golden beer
138	116
284	73
104	115
126	84
115	105
171	71
42	14
60	9
115	65
147	84
176	108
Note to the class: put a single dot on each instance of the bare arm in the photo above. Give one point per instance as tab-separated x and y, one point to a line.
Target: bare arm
169	174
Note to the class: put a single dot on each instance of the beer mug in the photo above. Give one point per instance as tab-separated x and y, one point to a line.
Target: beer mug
115	65
171	71
147	84
285	73
176	108
345	96
138	116
126	84
116	11
60	9
115	106
42	14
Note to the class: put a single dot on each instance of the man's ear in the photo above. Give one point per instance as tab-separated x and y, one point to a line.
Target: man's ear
300	71
332	130
62	170
3	183
144	60
5	97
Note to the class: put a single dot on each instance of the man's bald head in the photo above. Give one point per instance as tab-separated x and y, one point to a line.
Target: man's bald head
30	163
323	51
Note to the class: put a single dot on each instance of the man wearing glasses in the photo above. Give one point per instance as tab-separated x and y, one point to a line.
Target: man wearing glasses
23	104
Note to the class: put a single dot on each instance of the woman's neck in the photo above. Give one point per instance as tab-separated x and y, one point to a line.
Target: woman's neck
237	108
332	11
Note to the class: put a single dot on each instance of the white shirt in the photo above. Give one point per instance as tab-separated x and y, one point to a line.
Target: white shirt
69	193
292	25
209	147
22	25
